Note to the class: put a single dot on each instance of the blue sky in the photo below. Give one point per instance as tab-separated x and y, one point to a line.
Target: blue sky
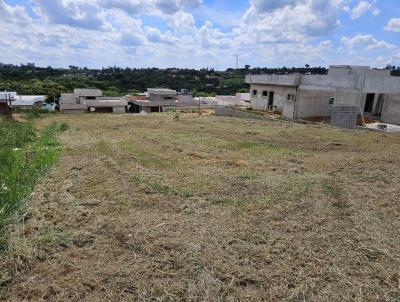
200	33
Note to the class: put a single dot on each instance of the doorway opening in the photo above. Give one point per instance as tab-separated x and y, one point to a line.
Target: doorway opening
369	103
133	108
156	109
270	99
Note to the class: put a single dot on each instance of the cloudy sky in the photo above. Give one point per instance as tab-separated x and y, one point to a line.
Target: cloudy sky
199	33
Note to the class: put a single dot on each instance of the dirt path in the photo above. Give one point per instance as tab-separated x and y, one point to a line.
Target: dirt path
209	209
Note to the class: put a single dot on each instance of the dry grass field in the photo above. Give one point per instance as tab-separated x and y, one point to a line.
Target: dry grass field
189	208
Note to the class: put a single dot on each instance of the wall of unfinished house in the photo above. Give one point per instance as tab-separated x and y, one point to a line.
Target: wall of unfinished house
391	109
162	97
119	109
260	102
313	103
68	103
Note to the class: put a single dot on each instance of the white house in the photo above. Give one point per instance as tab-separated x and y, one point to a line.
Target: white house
28	101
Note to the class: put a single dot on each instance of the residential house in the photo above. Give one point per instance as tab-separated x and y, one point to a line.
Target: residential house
157	100
375	92
91	100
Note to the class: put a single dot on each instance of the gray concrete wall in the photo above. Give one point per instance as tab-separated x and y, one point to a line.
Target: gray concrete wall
145	109
288	110
348	97
185	99
160	98
312	103
376	84
68	98
348	81
74	111
361	78
120	109
68	106
391	109
224	111
88	92
273	79
260	102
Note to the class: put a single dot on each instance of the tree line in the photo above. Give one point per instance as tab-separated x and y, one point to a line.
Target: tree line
117	81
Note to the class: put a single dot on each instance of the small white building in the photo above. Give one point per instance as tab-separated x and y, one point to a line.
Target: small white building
8	95
29	102
375	92
23	101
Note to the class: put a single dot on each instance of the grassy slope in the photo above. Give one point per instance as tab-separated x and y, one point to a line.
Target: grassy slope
24	156
207	208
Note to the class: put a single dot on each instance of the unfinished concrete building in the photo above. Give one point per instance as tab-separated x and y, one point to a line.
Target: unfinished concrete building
91	100
374	92
157	100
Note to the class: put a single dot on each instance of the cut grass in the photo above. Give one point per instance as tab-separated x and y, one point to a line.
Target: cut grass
210	209
158	187
24	156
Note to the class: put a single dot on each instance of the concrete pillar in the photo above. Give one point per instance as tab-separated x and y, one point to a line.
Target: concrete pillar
375	103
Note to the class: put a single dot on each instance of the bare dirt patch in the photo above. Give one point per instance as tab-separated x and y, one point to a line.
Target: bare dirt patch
209	209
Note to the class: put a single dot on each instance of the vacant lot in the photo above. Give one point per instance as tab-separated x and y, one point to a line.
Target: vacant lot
170	208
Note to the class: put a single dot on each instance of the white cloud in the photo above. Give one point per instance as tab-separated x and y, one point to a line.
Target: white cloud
115	32
264	6
362	8
133	7
393	25
326	44
13	14
274	21
181	21
365	41
76	13
155	36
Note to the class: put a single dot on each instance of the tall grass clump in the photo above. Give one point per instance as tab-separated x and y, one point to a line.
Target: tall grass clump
24	156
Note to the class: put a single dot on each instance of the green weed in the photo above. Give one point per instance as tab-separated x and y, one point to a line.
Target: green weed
24	157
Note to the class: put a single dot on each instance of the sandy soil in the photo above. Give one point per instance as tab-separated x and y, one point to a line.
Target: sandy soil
180	207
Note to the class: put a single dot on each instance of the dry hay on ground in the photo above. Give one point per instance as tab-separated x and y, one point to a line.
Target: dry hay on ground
210	209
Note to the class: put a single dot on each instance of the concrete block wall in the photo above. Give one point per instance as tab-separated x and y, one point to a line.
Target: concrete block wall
347	97
120	109
391	109
311	103
260	102
68	98
225	111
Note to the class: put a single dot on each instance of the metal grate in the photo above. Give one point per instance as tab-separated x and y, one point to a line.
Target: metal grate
344	116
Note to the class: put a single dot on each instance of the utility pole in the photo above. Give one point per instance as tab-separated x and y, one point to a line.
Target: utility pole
237	61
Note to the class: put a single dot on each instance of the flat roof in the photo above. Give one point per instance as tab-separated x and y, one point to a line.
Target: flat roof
161	91
107	103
